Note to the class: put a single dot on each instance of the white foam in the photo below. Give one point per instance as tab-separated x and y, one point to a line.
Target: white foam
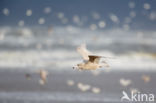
63	59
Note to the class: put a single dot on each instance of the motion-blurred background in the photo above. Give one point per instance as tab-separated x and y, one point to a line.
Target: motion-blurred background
44	34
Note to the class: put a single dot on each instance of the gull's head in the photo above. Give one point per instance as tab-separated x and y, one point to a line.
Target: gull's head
81	65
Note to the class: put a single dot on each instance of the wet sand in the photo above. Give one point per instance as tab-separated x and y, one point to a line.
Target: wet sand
15	88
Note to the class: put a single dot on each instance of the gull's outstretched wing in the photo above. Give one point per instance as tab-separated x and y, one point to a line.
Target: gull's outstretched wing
83	51
94	59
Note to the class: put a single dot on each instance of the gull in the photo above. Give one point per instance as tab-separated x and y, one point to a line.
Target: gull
90	61
43	76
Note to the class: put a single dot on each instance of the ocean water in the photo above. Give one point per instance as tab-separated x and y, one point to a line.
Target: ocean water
43	47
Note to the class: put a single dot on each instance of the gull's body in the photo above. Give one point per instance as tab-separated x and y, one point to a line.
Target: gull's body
91	62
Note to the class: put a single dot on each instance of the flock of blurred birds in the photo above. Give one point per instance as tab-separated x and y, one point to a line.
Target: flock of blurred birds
124	82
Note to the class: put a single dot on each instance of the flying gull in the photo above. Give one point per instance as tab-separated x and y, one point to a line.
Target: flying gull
90	61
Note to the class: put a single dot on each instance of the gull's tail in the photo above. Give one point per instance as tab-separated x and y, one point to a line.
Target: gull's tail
105	64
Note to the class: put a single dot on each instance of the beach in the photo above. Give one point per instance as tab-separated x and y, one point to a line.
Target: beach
16	88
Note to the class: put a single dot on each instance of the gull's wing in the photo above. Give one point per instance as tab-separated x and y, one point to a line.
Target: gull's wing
94	59
83	51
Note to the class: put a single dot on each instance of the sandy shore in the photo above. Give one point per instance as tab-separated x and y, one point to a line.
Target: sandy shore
15	88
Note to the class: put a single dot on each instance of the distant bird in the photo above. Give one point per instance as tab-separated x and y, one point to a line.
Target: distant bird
146	78
83	87
43	76
91	62
28	76
125	82
96	90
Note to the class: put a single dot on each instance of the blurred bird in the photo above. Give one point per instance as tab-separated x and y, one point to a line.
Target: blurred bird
125	82
91	62
83	87
28	76
146	78
96	90
43	76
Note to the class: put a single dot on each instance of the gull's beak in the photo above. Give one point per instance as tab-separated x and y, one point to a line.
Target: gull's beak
75	67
